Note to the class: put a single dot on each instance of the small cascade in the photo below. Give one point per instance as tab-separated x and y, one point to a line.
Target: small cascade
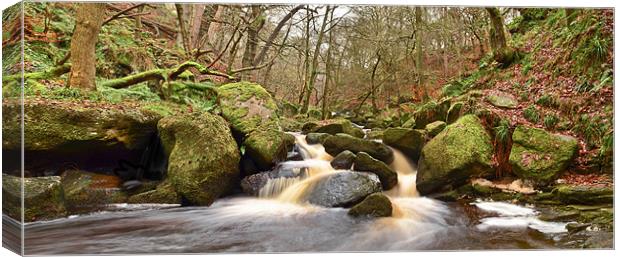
406	176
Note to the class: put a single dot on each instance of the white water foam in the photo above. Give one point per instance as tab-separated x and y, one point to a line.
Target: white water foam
515	216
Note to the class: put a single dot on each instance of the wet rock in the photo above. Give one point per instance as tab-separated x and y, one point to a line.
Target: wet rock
268	146
341	142
590	195
252	184
343	161
434	128
365	162
336	126
203	156
409	141
502	100
575	227
164	193
540	156
316	138
374	205
43	198
461	151
343	189
87	191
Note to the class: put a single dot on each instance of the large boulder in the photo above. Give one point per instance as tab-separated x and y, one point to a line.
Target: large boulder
502	99
462	150
247	106
589	195
268	146
203	156
365	162
375	205
43	198
341	142
540	156
335	126
343	189
87	191
432	129
343	161
409	141
164	193
50	125
316	138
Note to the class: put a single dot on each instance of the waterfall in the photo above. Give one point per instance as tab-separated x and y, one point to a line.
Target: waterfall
406	176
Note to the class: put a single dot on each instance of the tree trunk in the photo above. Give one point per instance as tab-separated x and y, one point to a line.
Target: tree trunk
502	53
328	71
183	28
195	25
274	34
315	59
252	38
215	27
89	17
419	55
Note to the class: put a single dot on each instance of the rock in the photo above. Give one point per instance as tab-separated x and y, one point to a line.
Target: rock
343	189
502	100
341	142
429	112
309	126
203	156
316	138
343	160
87	191
540	156
164	193
336	126
268	146
435	127
574	227
252	184
590	195
461	151
410	123
247	106
52	125
43	198
559	216
454	112
375	134
374	205
409	141
365	162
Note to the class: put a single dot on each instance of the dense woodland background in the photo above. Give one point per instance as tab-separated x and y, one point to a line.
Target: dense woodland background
373	64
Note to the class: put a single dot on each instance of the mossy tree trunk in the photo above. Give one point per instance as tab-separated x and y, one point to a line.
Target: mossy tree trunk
89	18
498	38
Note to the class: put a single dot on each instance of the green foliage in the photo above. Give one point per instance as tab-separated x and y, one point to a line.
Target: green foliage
593	128
137	92
548	100
527	64
200	96
550	121
531	114
502	131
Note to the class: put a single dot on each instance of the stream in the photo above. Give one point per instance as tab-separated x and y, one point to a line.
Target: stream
278	221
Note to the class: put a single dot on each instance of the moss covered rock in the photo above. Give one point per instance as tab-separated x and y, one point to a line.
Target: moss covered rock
247	106
375	134
589	195
454	112
50	125
409	141
316	138
43	198
431	111
432	129
502	100
387	176
268	146
539	155
203	156
335	126
462	150
341	142
164	193
87	191
343	161
374	205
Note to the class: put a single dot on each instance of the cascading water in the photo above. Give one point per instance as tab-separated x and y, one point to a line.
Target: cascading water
279	220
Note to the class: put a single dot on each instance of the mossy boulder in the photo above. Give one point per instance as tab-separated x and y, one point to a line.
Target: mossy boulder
431	111
247	106
268	146
316	138
502	100
375	134
454	112
432	129
164	193
336	126
387	176
343	160
87	191
203	156
410	123
341	142
589	195
461	151
43	198
343	189
409	141
67	126
540	156
374	205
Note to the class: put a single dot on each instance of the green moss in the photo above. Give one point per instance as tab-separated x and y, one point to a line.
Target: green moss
87	192
539	155
267	146
584	194
374	205
462	150
410	141
43	198
246	106
164	194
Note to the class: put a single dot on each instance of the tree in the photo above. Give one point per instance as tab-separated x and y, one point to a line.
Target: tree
89	18
309	86
502	53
